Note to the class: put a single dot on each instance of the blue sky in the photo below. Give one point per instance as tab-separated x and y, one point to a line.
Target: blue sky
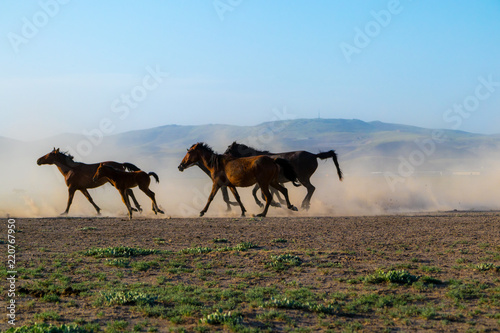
77	66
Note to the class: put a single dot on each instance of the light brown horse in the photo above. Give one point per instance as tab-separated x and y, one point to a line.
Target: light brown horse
78	176
240	172
123	181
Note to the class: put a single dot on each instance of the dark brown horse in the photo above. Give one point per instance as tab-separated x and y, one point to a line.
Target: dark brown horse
303	162
239	172
123	181
78	176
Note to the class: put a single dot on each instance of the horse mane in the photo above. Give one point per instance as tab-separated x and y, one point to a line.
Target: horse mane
65	154
215	158
236	149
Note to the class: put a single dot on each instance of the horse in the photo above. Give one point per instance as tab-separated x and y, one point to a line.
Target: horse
123	181
240	172
303	162
78	176
225	195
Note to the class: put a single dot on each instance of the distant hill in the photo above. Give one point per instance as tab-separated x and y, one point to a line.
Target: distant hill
372	146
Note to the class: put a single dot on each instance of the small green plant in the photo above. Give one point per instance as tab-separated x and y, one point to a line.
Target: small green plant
125	298
47	315
219	318
399	277
219	240
279	240
118	262
482	267
285	303
283	262
196	250
159	241
50	328
87	228
118	325
53	298
119	251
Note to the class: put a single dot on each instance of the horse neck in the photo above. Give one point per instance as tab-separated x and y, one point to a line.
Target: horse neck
65	165
211	161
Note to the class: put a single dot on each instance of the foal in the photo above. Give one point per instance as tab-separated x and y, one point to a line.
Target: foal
123	181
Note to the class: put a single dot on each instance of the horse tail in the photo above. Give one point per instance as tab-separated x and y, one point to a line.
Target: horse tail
130	167
328	154
288	170
155	176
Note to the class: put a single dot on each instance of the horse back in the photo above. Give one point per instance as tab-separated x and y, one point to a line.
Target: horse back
246	171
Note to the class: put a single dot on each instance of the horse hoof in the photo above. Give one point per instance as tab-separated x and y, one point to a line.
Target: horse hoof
202	213
293	208
260	215
64	213
161	212
134	210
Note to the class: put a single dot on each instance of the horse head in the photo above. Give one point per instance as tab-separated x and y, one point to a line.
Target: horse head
194	155
241	150
49	158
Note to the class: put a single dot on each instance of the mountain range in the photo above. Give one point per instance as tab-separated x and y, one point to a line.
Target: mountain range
367	146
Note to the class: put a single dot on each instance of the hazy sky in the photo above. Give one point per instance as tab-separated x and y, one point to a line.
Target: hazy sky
80	66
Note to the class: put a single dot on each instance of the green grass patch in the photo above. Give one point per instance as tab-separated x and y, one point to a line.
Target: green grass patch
399	277
283	262
119	251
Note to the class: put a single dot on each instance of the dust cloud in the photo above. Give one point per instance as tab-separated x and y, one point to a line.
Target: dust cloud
29	190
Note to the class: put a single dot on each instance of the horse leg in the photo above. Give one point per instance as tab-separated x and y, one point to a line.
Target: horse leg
215	188
254	193
151	195
71	194
310	190
281	200
237	197
89	198
283	190
130	193
125	200
269	198
274	203
225	196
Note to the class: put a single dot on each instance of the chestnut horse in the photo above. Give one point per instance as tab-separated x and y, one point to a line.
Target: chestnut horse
78	176
240	172
304	163
123	181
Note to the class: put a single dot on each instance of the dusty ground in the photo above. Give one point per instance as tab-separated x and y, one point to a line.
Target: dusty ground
453	256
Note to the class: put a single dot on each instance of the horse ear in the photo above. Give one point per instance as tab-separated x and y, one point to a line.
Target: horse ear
57	151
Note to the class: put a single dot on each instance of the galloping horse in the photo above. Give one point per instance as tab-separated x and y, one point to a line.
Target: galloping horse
240	172
123	181
225	195
78	176
303	162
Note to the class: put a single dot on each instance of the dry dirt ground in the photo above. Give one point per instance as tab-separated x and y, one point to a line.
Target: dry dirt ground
416	272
